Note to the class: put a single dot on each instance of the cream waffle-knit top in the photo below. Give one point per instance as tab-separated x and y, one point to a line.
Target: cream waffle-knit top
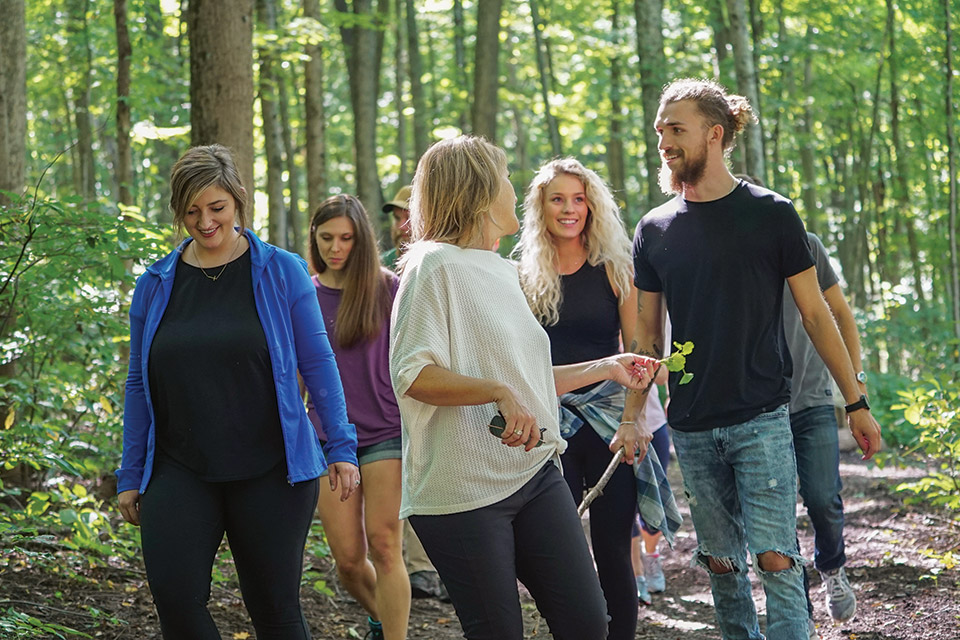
463	310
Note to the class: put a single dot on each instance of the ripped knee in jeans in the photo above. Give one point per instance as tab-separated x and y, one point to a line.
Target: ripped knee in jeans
773	561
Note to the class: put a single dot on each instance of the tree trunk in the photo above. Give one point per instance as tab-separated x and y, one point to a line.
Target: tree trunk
615	155
649	14
399	76
460	53
421	115
80	35
807	162
546	84
486	70
361	45
901	192
316	118
124	168
272	136
221	78
952	176
295	223
784	71
747	85
722	37
13	97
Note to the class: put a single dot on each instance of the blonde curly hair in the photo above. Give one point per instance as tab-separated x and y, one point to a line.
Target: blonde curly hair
603	236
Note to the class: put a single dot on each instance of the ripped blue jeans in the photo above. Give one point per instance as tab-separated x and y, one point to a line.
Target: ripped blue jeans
741	484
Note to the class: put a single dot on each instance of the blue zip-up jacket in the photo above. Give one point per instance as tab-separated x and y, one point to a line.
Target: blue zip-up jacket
286	302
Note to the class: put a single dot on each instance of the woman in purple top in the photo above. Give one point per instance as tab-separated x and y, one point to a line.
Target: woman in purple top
356	295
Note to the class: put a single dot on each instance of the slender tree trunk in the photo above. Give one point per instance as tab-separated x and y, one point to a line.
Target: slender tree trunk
720	21
421	115
400	75
486	70
807	161
546	85
901	193
13	97
460	53
952	175
272	136
13	139
615	154
79	30
361	46
221	78
521	168
316	117
784	71
295	223
124	168
649	15
747	83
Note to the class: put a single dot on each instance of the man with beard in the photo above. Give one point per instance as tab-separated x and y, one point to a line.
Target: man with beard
717	255
399	211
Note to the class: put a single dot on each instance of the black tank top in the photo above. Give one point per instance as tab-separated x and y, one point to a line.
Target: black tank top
589	325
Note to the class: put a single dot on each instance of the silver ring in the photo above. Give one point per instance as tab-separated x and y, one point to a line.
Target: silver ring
518	432
357	483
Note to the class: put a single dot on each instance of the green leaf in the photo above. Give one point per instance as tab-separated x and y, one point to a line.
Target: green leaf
687	377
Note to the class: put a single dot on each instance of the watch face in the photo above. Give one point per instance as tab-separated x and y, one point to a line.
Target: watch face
862	377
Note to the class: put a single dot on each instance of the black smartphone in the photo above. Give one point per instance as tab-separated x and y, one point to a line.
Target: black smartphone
498	423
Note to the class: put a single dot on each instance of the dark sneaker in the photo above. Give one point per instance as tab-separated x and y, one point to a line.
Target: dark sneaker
424	584
841	601
375	632
442	594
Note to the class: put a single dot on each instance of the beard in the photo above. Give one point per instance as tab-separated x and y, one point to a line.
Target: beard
691	171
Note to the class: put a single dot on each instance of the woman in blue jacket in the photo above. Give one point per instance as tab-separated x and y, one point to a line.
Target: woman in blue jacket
215	436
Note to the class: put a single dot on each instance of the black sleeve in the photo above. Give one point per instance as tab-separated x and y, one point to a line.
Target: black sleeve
644	276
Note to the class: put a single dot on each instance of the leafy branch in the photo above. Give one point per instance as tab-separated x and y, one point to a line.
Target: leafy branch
677	361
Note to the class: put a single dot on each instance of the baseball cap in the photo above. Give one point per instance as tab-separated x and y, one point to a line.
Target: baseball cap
400	201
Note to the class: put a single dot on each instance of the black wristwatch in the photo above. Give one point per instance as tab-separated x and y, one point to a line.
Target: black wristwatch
856	406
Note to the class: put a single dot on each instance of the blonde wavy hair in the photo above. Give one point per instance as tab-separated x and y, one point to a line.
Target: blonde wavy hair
603	236
456	183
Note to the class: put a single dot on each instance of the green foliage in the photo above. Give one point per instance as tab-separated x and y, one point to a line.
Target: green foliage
677	361
64	288
932	408
14	624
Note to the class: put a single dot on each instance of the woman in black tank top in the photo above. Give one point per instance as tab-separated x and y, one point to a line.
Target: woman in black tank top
576	271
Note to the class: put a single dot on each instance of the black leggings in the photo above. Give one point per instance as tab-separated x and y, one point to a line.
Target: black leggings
611	525
266	520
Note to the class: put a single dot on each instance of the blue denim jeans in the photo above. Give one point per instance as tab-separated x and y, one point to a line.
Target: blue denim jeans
815	440
741	484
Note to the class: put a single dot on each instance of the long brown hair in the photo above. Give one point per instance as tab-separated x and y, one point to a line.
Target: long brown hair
365	299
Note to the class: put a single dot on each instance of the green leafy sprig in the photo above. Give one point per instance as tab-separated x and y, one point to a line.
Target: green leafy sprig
677	361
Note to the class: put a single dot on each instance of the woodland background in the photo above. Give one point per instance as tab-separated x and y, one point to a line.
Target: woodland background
98	100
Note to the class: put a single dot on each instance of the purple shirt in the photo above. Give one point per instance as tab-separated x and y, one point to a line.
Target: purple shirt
365	373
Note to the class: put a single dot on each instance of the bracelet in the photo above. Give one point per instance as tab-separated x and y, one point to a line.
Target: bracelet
628	422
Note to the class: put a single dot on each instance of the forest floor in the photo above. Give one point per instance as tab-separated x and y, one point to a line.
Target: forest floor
903	592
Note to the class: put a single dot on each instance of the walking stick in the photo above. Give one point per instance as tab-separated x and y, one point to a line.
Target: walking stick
597	490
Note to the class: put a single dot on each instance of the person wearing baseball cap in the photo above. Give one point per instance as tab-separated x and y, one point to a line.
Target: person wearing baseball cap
399	210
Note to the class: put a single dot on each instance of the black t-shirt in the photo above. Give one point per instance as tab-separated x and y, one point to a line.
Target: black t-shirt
211	379
721	266
589	324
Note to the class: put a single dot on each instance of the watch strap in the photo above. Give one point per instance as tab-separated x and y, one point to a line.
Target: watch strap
856	406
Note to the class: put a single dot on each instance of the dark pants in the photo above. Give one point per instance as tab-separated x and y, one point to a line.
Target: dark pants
534	536
612	516
266	520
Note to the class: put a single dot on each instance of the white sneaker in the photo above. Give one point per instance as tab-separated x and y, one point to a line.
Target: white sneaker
841	601
643	595
653	570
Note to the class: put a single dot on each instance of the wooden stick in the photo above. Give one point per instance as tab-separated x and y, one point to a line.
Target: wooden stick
597	490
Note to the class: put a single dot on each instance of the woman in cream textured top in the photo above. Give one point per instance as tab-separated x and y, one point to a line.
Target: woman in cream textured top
463	347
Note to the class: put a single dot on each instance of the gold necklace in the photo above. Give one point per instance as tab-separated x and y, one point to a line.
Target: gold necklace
222	269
